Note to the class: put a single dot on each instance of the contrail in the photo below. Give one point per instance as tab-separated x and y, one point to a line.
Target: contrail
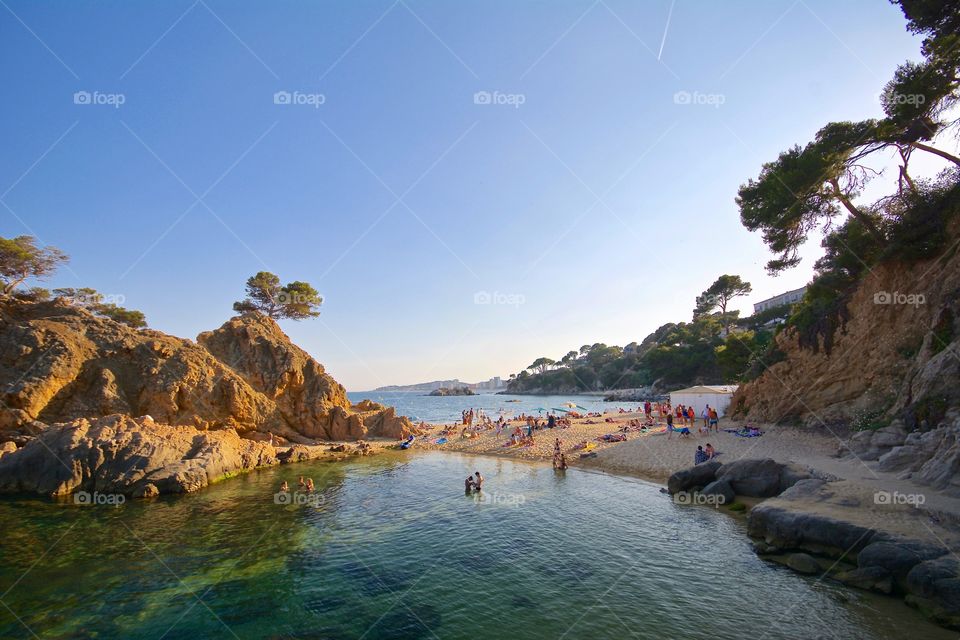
665	29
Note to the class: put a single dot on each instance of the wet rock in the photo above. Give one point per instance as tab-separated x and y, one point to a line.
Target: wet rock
897	558
762	478
868	578
803	563
720	488
934	588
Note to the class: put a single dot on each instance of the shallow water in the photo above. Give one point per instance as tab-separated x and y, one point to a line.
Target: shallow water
419	406
392	548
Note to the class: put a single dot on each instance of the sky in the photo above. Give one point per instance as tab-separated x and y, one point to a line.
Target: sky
470	185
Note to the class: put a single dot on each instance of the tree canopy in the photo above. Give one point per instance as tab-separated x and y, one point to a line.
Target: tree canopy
21	258
719	295
296	300
96	303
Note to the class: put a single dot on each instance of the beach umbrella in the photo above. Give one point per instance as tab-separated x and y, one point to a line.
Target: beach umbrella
541	409
570	404
563	410
581	408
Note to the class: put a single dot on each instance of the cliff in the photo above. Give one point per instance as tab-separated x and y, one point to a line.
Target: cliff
60	363
896	359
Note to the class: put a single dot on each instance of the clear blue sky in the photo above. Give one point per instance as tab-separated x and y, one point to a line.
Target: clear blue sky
599	202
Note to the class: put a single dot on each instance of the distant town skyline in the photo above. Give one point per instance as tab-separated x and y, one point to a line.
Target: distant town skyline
470	186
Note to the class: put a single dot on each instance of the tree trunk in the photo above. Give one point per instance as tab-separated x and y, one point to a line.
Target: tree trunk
856	213
943	154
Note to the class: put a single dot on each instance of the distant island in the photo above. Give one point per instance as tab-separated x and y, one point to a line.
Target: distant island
493	384
452	391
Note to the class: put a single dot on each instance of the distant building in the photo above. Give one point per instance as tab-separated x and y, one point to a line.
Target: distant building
716	395
790	297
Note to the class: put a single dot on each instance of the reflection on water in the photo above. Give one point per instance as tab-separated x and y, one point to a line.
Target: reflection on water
396	550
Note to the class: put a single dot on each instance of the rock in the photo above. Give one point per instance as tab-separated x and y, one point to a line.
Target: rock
720	488
7	447
119	455
934	588
694	477
803	563
761	478
897	558
870	578
59	363
804	531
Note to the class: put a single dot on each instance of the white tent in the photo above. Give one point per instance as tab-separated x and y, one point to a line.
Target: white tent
717	396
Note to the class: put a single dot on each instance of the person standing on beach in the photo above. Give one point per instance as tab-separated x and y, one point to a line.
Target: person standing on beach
715	420
669	425
705	414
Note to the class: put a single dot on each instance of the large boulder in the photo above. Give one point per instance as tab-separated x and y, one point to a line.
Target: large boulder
761	478
897	558
720	488
934	588
694	478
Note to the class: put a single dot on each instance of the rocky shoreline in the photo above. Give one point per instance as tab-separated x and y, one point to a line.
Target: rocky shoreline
818	525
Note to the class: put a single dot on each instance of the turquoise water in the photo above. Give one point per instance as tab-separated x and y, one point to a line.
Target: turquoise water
419	406
392	548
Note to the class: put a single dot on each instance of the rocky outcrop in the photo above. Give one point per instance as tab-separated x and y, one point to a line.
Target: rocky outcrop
753	478
452	391
897	356
134	457
59	363
862	544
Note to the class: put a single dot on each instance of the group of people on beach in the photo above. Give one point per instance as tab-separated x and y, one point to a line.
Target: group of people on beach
704	453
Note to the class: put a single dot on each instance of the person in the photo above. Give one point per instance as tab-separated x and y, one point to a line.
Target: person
478	483
700	456
715	420
710	451
691	416
669	425
309	485
705	414
551	421
284	488
561	463
301	485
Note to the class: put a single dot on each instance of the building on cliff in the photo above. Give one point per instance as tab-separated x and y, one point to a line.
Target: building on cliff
790	297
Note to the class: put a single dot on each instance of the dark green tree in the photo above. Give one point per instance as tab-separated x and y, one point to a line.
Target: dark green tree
719	295
295	301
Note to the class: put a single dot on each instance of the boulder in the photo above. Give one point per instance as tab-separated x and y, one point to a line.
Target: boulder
693	478
762	478
897	558
934	588
868	578
788	529
720	488
803	563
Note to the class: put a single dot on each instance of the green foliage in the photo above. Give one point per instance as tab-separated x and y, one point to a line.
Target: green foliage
719	295
295	301
21	258
737	507
33	294
93	301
